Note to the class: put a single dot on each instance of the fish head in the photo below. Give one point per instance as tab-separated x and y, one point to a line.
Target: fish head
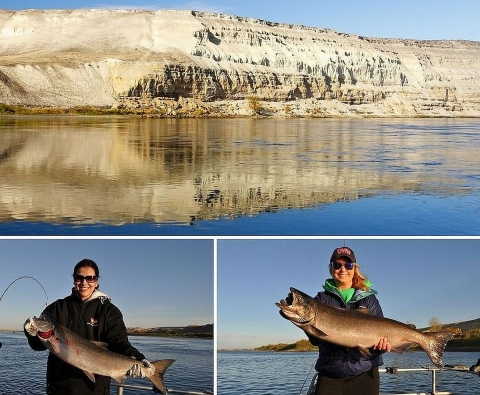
297	307
40	326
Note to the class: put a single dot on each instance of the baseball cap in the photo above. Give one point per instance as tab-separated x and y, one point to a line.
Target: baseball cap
345	252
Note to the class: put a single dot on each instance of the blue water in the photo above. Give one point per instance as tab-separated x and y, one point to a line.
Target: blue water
270	373
23	370
78	176
389	214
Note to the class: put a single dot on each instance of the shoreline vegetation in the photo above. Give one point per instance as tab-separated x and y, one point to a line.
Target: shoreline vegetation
190	331
6	109
252	107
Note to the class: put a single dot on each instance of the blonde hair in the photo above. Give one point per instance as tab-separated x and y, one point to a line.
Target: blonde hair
359	281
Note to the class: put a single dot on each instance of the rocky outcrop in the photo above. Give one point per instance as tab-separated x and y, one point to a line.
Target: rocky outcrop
138	58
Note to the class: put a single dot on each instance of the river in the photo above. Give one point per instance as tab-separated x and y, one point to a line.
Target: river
23	370
274	373
121	176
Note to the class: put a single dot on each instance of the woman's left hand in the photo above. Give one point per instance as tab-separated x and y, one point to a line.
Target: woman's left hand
136	369
383	345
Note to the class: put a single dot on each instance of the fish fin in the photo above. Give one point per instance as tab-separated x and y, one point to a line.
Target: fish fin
315	332
364	351
100	344
160	369
90	375
120	379
435	346
402	347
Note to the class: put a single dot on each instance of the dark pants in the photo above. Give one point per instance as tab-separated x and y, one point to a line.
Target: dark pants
80	387
367	383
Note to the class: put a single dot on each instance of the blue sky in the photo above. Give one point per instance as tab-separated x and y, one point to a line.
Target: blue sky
424	19
154	282
416	279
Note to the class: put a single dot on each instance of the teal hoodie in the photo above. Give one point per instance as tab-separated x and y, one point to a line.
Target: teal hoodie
350	295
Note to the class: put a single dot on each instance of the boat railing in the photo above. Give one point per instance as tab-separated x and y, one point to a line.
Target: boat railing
121	387
394	370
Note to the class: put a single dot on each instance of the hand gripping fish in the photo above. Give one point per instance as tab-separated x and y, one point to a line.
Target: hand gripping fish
354	329
91	357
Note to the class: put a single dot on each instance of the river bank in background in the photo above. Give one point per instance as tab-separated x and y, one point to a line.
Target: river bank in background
190	331
252	107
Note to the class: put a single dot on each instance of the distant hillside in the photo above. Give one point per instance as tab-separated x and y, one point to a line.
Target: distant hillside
203	331
190	63
464	325
301	345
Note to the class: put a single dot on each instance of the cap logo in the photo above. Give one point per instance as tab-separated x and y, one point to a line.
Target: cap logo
343	251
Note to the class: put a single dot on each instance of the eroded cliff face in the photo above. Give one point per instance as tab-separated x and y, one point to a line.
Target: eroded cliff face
141	58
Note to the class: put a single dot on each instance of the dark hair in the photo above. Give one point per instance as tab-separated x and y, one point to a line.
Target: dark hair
87	263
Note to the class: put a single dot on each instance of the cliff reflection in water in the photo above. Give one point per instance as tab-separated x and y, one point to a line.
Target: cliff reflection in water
118	170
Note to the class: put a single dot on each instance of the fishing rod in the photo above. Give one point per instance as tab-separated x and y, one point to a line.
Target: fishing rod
19	278
303	385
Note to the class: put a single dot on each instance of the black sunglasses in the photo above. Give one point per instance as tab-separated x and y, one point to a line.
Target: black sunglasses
338	265
89	279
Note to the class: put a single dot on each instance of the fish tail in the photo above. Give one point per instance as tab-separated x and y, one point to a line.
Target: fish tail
160	369
435	345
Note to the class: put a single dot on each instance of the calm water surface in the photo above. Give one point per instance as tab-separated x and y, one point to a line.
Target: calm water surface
121	176
23	370
270	373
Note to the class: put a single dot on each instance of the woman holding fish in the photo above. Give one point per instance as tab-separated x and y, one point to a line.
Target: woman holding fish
351	343
344	370
90	314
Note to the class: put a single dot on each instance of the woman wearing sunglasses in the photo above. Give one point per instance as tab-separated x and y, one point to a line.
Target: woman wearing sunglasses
89	313
344	371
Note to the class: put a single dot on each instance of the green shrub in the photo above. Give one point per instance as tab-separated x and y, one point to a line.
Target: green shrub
255	104
6	109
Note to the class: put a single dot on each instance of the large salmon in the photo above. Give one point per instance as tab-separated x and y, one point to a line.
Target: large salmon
354	329
91	357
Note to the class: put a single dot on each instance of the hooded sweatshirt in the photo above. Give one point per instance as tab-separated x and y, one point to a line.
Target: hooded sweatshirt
94	319
336	361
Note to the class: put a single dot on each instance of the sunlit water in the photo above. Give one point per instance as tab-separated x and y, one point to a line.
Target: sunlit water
120	176
23	370
273	373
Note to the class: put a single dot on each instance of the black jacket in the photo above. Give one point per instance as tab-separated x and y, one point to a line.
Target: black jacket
95	319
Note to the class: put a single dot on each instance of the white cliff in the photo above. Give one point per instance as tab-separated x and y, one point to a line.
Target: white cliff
176	60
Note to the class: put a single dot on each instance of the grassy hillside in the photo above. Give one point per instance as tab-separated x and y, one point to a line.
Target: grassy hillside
301	345
203	331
